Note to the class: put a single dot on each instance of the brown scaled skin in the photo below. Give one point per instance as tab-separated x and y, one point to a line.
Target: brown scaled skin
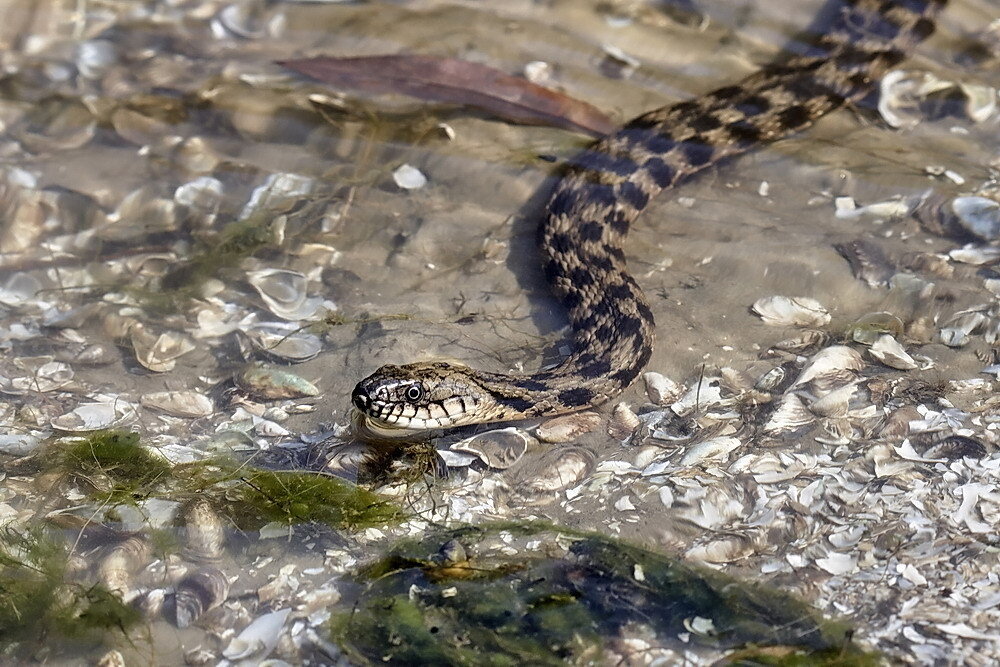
607	187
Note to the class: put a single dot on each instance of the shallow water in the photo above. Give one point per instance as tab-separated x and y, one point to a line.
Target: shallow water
108	108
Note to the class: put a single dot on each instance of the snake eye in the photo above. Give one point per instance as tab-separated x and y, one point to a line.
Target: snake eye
414	393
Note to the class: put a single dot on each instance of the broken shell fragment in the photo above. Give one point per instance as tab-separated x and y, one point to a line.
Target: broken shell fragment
888	350
791	311
499	449
284	341
409	177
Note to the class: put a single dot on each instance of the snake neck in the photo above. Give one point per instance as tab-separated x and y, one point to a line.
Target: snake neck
606	188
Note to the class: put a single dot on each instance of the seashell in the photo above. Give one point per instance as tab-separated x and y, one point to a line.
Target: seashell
19	289
980	101
803	342
119	561
44	375
888	350
259	638
409	177
345	460
98	415
868	328
660	389
956	334
978	215
89	354
158	353
830	361
975	255
727	549
190	404
772	379
717	448
623	422
900	94
790	415
199	592
956	447
499	449
835	403
56	124
557	469
867	261
18	444
94	57
141	212
278	194
205	534
868	254
837	563
249	20
284	341
791	311
273	383
706	394
284	293
198	202
567	427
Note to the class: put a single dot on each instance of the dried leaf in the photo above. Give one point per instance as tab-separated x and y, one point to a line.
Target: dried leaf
457	82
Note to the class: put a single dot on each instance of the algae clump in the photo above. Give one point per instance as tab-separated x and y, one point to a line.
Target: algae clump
37	602
564	596
113	463
299	497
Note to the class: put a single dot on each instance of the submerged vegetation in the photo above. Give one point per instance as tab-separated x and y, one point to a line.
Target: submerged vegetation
115	469
563	600
37	601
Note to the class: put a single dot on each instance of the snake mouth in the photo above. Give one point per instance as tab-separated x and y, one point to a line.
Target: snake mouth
362	401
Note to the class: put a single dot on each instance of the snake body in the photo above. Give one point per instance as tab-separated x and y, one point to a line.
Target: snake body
606	188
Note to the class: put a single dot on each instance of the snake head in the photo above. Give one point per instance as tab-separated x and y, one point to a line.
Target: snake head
424	396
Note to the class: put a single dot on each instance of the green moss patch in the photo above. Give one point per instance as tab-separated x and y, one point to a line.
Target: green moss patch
113	463
562	601
263	496
36	602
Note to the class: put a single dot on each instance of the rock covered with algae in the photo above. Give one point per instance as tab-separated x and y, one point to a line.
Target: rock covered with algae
538	594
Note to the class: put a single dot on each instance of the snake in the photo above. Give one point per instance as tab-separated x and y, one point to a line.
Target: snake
602	192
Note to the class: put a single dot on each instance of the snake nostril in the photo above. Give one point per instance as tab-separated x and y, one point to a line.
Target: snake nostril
360	398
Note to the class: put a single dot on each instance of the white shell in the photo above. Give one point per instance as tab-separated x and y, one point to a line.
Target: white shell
623	422
499	449
158	353
259	638
284	293
713	449
790	415
95	416
888	350
978	215
830	361
660	389
409	177
799	311
191	404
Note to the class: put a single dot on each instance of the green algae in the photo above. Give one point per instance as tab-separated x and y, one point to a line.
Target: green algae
264	496
114	466
563	601
115	469
37	602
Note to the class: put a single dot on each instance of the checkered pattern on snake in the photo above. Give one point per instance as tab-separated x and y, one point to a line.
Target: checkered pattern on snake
604	191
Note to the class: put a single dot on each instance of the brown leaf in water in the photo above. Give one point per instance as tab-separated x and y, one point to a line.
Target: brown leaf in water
457	82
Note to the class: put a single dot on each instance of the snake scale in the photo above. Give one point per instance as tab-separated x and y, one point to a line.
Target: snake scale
606	188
